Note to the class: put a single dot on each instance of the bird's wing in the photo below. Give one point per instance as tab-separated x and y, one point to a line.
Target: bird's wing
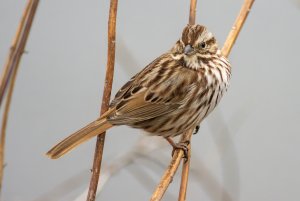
160	88
133	82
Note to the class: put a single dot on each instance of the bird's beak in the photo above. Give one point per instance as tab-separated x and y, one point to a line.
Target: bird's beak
188	49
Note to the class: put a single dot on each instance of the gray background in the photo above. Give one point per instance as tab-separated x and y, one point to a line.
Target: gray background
248	149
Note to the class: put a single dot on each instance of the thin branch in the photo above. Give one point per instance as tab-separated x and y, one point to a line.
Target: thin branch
192	18
7	67
171	170
168	176
105	99
185	174
147	181
236	28
11	69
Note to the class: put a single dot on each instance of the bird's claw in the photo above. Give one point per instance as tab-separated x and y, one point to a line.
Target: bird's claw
184	147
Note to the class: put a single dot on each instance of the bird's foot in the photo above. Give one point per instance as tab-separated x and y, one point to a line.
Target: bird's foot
181	145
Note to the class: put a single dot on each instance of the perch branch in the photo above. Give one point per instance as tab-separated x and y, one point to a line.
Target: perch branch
10	70
236	28
105	99
171	170
192	18
185	172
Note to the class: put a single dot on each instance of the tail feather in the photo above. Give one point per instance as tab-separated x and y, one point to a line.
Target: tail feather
95	128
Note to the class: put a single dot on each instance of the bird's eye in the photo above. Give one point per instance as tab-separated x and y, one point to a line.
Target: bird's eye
203	45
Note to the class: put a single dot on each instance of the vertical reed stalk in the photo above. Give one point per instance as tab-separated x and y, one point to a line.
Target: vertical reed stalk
10	70
105	99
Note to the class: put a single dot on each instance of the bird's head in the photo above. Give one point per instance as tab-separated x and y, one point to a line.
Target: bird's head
195	44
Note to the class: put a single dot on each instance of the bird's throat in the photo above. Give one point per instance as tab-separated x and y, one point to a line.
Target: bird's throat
192	62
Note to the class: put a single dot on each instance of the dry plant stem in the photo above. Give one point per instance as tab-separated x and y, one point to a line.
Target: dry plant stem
185	175
171	170
168	176
12	65
105	99
236	28
4	123
192	18
7	67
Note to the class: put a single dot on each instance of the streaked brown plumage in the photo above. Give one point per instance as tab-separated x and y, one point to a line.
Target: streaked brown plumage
171	95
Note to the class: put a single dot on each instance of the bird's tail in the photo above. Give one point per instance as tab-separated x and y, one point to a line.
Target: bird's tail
95	128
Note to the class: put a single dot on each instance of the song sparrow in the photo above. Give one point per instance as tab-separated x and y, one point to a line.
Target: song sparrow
171	95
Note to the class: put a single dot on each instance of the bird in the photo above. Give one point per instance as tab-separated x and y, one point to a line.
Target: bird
170	96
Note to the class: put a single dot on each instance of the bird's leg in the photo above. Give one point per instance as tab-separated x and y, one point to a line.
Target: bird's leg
196	129
180	145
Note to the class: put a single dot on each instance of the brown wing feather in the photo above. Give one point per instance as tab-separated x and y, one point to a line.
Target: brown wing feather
133	82
137	109
157	90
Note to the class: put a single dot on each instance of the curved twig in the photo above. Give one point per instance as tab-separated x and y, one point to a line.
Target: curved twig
105	99
10	70
236	28
185	173
192	18
171	170
8	67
